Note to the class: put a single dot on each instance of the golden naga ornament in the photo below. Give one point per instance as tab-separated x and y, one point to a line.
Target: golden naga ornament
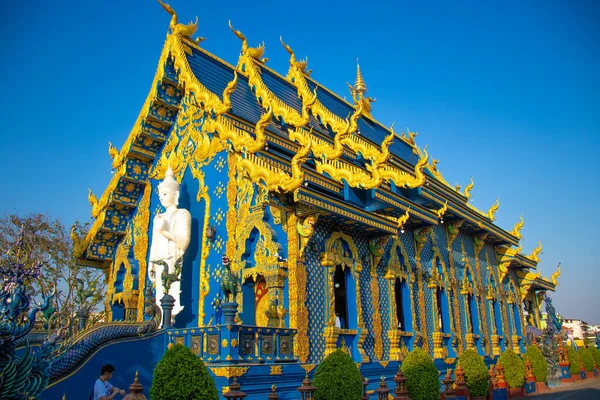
301	65
256	53
554	276
276	180
177	28
468	189
342	127
516	231
117	158
442	210
97	206
306	230
536	252
403	219
493	209
409	138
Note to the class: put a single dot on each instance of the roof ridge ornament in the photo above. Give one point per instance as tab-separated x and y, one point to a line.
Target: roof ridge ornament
554	276
534	256
359	84
468	189
358	93
516	232
180	29
256	53
300	64
493	209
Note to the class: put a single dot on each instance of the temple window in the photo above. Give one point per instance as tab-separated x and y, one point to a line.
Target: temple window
399	288
341	302
440	314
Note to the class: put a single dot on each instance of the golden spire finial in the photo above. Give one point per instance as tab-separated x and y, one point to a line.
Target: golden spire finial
359	85
137	377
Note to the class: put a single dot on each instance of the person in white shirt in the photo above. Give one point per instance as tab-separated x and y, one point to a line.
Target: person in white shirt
103	390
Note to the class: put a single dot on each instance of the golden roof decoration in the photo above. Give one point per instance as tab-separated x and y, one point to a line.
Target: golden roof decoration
554	276
442	210
358	93
359	84
534	255
256	53
493	209
403	219
516	232
468	189
177	28
300	64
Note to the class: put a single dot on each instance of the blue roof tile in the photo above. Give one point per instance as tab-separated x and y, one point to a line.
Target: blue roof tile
215	75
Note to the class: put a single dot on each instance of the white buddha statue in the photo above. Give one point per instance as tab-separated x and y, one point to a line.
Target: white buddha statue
170	238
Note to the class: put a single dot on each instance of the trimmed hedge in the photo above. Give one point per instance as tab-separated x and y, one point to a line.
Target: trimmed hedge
514	368
538	363
476	373
587	359
573	357
596	354
423	382
338	378
181	375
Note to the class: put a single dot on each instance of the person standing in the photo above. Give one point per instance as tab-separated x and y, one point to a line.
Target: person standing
103	390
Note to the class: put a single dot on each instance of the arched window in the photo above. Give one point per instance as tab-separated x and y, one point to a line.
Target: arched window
341	297
400	288
438	283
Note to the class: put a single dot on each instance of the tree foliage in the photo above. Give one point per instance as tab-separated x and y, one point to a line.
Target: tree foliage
574	360
595	354
181	375
514	368
538	363
338	378
587	358
47	239
422	375
476	373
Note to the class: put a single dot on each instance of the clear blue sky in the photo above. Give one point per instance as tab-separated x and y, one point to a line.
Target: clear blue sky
505	92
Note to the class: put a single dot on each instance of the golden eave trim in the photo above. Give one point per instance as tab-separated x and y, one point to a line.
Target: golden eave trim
397	201
346	210
482	223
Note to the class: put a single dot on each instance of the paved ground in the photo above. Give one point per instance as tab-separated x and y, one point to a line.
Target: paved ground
580	390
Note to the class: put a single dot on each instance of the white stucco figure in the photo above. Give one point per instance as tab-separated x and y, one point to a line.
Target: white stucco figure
170	238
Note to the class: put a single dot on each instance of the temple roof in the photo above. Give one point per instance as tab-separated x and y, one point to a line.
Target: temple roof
247	92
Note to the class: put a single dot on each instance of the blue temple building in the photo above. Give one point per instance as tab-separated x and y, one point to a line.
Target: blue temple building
341	233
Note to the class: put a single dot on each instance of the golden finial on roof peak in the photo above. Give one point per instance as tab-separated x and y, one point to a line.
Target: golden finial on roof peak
359	85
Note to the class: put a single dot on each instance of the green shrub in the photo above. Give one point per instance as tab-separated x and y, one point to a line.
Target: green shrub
538	363
180	375
338	378
574	360
423	382
514	368
596	354
587	359
476	374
